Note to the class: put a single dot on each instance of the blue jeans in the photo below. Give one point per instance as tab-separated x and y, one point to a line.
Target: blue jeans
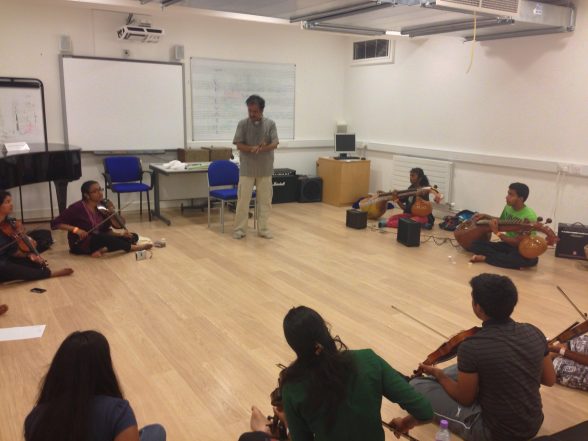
152	432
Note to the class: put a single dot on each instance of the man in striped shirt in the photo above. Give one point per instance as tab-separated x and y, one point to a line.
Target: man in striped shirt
493	392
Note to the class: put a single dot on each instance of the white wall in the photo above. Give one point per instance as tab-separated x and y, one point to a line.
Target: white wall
524	98
319	63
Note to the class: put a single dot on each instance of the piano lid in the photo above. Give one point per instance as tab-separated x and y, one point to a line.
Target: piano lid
39	147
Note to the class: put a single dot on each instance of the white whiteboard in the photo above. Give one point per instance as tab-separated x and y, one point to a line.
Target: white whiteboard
21	115
220	88
112	104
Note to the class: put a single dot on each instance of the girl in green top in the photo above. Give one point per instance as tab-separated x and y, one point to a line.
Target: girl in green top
330	393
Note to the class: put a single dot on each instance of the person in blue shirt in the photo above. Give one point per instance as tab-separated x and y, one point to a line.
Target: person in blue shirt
81	399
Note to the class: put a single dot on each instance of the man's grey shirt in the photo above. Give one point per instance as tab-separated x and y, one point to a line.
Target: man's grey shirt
256	164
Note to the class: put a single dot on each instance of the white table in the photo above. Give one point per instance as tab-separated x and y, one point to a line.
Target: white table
190	183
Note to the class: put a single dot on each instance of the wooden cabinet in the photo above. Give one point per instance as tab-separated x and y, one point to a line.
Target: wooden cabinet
344	181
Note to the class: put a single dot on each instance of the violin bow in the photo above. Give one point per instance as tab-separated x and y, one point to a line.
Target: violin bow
419	322
582	314
396	432
102	222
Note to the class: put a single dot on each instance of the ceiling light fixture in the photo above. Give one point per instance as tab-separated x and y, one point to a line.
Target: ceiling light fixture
345	11
342	29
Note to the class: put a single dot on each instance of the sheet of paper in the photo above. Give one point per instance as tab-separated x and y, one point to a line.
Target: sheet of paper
21	332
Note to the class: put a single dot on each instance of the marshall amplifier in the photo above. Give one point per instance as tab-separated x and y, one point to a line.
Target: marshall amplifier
285	188
284	172
573	238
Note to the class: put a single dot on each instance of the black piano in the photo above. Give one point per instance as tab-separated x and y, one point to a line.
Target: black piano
58	163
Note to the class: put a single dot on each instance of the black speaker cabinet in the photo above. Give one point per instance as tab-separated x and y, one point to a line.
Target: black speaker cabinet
310	189
356	219
572	240
285	189
409	232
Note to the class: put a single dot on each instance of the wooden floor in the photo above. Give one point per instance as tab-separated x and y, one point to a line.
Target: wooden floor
196	331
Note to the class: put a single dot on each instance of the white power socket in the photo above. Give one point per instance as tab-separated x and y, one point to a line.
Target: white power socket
573	169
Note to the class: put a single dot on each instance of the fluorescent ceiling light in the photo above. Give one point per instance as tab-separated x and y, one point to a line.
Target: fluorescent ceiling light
345	11
419	31
342	29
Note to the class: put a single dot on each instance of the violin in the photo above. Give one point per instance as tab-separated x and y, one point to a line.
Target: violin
276	425
447	350
106	209
14	229
576	330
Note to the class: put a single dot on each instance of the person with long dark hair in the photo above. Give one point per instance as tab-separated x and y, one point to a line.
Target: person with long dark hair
332	393
81	399
16	264
90	229
418	179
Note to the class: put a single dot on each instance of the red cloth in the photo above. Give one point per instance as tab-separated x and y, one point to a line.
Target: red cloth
393	220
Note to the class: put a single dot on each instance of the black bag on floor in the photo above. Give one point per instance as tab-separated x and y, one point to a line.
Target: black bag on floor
43	238
450	223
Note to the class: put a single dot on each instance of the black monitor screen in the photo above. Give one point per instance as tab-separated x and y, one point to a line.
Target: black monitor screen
345	142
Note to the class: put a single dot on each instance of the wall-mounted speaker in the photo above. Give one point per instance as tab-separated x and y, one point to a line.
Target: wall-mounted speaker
177	52
310	189
65	44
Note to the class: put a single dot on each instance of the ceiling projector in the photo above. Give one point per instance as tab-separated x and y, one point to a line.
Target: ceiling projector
139	33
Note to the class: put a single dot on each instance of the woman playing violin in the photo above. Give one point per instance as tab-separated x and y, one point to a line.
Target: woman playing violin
89	225
18	261
332	393
493	392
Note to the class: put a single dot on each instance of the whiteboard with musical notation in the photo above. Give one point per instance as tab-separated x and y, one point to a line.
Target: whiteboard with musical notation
21	113
220	88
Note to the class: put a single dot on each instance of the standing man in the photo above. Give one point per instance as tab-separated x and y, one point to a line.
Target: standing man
256	139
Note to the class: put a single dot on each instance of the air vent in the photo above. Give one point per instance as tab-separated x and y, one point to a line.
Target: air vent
370	51
503	7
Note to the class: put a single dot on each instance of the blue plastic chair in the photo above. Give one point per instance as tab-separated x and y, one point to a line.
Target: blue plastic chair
124	174
223	181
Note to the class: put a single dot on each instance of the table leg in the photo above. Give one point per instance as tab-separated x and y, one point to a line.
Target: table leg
156	212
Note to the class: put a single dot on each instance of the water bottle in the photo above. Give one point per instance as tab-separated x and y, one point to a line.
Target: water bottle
443	432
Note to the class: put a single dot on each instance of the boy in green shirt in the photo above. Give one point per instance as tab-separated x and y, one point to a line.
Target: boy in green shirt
505	253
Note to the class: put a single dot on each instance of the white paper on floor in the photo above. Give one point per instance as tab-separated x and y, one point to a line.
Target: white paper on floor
21	332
